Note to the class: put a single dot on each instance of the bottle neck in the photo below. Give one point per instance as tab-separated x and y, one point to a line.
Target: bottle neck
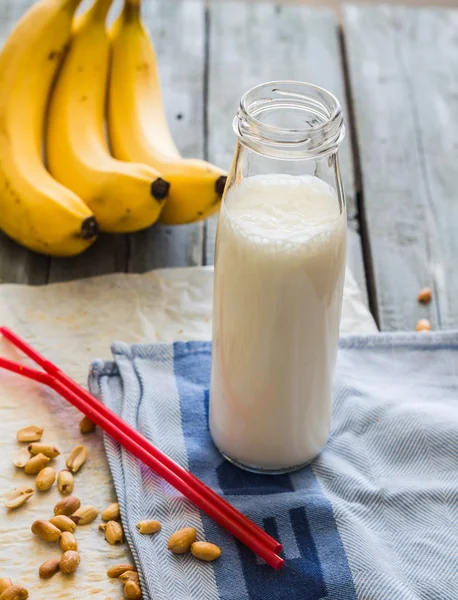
290	120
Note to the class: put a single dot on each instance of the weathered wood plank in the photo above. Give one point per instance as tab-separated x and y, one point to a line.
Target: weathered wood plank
178	31
251	43
403	67
18	265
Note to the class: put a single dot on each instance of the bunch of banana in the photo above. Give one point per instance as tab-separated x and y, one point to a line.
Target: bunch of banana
138	127
35	210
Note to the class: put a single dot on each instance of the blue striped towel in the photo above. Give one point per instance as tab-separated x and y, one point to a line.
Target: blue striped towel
375	517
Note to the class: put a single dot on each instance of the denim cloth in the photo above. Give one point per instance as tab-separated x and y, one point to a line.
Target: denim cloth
374	517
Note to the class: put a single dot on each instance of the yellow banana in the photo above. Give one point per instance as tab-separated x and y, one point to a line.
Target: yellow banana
36	211
124	196
138	127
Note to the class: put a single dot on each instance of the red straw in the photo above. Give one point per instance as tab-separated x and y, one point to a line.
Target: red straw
191	487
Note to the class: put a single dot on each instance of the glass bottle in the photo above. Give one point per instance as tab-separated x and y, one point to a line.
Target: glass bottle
279	274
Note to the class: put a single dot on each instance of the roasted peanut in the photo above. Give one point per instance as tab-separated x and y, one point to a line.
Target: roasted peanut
65	482
46	449
18	496
32	433
84	515
21	457
35	464
69	561
148	527
118	570
15	592
68	541
113	533
86	425
181	540
132	591
205	551
425	295
423	325
67	506
111	513
46	531
102	527
49	568
5	583
63	523
129	576
45	478
76	458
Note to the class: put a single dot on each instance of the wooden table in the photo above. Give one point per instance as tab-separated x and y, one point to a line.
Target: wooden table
395	70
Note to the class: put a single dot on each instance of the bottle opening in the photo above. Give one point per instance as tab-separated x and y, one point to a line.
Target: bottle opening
290	119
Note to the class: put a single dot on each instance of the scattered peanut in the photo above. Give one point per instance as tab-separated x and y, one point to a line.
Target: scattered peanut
46	531
86	425
49	568
68	541
35	464
205	551
18	496
117	570
129	576
65	482
21	457
67	506
102	527
45	479
425	295
423	325
148	527
132	591
111	513
5	583
15	592
46	449
181	540
113	533
76	458
69	561
63	523
85	515
32	433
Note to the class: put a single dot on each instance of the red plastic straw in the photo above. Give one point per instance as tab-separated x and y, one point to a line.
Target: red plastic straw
191	487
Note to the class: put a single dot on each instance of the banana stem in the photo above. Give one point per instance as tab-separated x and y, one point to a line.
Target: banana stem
132	8
100	8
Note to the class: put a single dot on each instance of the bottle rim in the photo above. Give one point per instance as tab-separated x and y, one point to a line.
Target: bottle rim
321	127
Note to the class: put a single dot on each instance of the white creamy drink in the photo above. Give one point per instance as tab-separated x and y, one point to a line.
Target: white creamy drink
278	292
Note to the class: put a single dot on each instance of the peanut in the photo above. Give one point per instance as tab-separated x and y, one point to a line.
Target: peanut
68	541
15	592
148	527
5	583
132	591
423	325
46	531
69	561
21	457
76	458
35	464
113	533
102	526
65	482
129	576
63	523
18	496
425	295
32	433
117	570
67	506
205	551
181	540
49	568
84	515
45	478
47	450
86	425
111	513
